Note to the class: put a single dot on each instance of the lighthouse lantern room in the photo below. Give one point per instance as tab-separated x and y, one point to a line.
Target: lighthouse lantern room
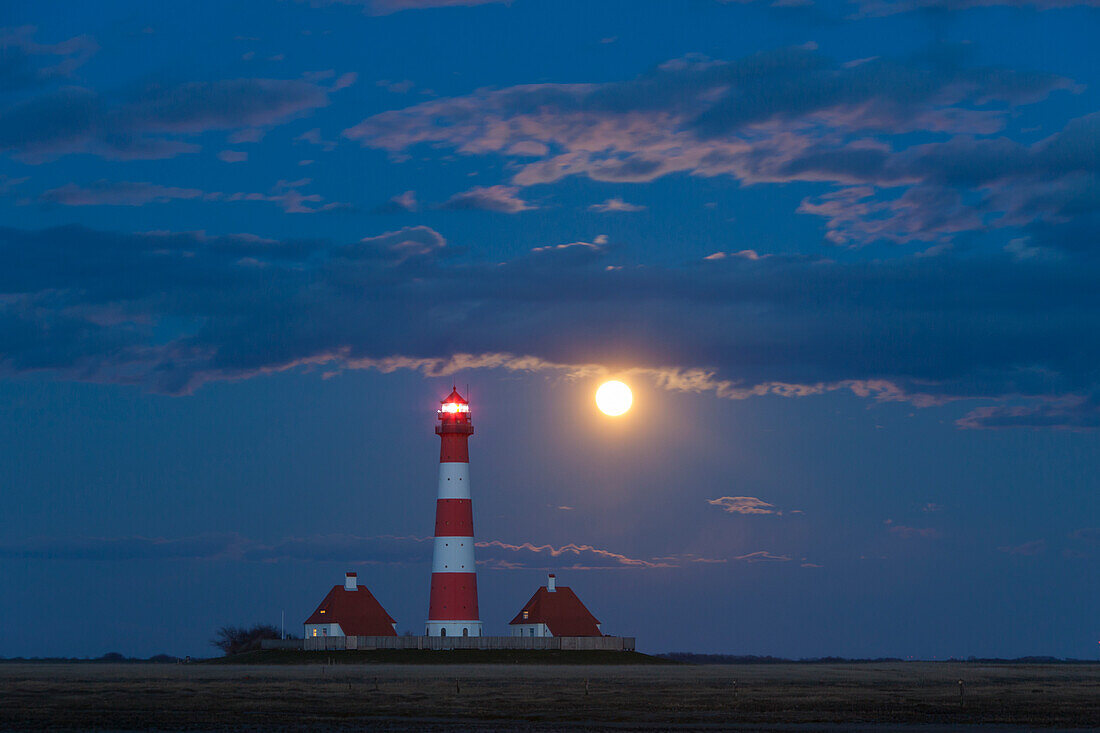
452	607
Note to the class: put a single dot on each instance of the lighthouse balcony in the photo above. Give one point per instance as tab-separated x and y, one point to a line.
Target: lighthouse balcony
454	428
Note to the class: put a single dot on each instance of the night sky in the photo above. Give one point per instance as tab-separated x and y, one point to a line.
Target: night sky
845	252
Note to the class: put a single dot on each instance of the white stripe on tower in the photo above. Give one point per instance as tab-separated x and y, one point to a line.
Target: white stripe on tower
454	480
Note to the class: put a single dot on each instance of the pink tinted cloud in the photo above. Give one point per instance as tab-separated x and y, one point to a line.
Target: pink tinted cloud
503	199
615	205
582	555
763	556
743	505
816	121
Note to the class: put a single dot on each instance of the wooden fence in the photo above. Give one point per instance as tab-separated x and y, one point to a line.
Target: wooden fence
437	643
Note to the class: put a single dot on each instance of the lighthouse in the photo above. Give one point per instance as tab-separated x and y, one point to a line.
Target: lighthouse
452	608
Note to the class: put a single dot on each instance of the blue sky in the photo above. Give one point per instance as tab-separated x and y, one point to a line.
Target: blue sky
844	252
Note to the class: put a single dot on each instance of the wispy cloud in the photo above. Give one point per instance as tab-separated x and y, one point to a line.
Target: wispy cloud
158	120
286	194
576	556
232	156
762	556
313	137
900	530
118	193
28	63
1069	412
503	199
615	205
399	204
344	548
744	505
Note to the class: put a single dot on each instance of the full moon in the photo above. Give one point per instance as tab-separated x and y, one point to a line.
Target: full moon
613	398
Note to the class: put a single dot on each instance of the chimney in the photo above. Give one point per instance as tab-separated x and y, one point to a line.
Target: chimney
551	584
350	581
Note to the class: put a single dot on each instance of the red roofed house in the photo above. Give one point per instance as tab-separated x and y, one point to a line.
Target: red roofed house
555	611
350	610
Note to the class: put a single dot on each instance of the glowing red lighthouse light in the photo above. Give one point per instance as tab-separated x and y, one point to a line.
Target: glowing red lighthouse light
452	609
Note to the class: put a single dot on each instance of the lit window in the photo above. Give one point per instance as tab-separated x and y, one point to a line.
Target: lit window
322	610
526	614
315	632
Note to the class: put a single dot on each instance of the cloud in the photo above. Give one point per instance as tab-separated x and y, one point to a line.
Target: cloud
578	557
914	532
1072	412
117	193
232	156
402	203
488	198
172	310
247	135
148	122
285	194
313	137
26	63
744	505
1036	547
397	87
343	548
418	241
762	556
780	116
288	196
614	205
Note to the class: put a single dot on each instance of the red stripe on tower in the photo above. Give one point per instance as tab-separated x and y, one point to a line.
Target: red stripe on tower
452	609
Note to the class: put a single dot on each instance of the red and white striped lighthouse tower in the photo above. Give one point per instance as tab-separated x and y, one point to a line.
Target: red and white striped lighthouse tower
452	609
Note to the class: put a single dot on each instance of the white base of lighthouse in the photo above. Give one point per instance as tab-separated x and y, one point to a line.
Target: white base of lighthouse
453	628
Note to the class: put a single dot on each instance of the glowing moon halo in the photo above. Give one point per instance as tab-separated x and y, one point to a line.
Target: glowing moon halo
614	398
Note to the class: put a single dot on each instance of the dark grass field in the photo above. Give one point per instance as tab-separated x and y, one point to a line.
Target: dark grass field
917	696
